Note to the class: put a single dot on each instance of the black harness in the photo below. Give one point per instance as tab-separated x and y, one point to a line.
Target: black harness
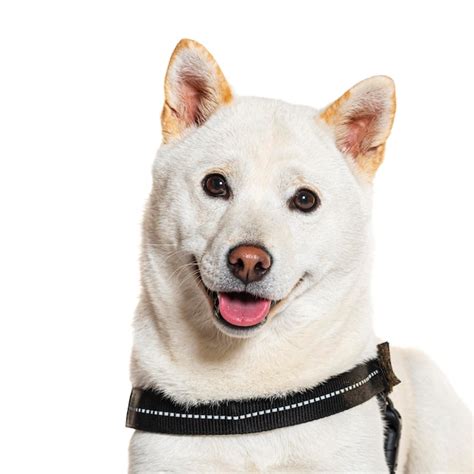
155	412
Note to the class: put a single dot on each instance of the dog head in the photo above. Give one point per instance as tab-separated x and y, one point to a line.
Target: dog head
257	203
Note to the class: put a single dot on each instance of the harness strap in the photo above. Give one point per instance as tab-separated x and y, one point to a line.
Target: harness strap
156	412
393	431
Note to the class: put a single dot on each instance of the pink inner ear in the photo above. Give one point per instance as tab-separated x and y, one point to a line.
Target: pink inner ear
190	102
196	98
357	135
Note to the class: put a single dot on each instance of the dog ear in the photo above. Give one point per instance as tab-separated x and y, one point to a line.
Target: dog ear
194	88
361	120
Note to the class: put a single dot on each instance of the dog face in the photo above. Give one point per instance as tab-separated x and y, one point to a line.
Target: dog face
256	201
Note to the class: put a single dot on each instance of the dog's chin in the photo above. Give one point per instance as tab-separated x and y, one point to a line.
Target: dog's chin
240	324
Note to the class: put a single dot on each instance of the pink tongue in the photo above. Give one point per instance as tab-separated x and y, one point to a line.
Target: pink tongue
241	310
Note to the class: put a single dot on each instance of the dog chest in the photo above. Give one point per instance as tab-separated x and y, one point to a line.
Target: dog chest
344	441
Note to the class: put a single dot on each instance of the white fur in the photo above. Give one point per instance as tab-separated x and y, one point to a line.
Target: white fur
267	149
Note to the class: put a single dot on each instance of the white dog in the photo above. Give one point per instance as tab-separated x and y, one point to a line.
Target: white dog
256	280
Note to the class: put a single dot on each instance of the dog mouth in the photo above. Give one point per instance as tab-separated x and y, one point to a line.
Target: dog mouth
241	311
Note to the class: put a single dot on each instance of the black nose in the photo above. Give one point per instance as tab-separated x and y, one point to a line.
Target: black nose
249	263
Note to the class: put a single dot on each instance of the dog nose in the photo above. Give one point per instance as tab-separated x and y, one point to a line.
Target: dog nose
249	263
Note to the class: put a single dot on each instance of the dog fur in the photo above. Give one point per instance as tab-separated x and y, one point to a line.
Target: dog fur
320	275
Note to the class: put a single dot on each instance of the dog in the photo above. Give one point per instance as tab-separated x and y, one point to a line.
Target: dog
255	270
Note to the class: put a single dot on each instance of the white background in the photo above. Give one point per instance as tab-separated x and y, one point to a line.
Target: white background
81	95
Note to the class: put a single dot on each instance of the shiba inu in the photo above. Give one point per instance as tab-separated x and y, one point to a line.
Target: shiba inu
255	268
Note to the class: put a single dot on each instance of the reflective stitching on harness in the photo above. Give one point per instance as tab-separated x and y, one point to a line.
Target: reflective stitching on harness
257	413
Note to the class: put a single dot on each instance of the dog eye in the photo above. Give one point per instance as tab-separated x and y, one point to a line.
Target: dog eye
305	200
215	185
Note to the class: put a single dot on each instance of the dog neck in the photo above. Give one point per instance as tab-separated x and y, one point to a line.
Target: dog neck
178	349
